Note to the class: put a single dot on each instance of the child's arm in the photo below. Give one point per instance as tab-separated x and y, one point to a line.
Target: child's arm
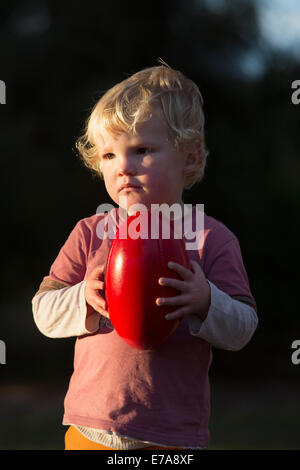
213	315
60	311
230	323
69	301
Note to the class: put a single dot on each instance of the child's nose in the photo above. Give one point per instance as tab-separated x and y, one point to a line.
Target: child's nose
126	165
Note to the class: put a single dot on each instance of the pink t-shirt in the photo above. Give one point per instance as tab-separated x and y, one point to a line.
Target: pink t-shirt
160	395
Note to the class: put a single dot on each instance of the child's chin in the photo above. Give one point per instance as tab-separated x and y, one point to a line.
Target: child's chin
135	206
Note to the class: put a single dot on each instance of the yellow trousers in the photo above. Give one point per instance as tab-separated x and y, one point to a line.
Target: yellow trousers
74	440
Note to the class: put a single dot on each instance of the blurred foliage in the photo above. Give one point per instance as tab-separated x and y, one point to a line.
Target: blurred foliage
58	59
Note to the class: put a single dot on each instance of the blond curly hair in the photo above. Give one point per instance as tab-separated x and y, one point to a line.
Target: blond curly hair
130	102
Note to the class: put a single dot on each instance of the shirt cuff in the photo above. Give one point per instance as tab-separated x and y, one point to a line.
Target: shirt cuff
229	324
62	313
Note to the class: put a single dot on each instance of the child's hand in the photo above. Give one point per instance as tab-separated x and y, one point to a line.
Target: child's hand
194	288
93	298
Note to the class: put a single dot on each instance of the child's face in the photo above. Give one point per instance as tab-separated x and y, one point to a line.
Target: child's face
148	160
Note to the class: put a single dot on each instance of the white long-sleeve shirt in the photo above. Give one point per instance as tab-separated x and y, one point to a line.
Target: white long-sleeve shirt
62	313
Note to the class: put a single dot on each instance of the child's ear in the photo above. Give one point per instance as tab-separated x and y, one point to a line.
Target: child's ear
193	158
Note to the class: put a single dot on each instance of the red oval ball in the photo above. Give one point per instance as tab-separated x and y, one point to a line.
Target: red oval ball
134	266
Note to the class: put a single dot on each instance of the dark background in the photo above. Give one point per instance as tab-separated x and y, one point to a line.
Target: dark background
56	59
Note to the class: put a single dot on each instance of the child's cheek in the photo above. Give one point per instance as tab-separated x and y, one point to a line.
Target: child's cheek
152	172
148	162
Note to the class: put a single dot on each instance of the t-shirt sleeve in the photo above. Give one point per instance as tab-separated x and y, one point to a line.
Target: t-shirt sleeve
69	267
224	267
230	323
61	311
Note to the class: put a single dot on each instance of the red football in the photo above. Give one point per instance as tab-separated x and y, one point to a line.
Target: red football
134	266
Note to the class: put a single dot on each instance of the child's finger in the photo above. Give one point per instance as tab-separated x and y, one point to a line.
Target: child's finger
96	272
175	283
178	300
104	312
98	301
176	314
185	273
95	284
100	308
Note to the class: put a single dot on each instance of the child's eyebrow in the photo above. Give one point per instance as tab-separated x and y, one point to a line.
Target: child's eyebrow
142	142
106	149
133	146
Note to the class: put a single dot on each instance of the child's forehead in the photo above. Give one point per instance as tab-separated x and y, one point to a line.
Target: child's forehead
154	127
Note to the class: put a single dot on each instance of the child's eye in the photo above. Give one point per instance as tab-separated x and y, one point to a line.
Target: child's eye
143	150
108	156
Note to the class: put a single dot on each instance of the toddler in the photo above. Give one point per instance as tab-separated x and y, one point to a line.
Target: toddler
145	138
